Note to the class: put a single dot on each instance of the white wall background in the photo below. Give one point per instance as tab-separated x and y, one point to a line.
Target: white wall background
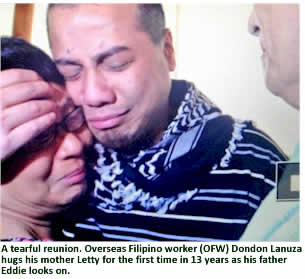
6	19
213	50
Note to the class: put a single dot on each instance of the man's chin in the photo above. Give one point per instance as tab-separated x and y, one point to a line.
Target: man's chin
129	144
115	141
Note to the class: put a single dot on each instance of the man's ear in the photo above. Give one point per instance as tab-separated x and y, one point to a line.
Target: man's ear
168	50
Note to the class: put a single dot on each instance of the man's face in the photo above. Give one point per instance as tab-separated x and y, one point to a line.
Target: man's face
114	70
277	26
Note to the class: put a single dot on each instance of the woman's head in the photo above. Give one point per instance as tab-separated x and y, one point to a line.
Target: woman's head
48	172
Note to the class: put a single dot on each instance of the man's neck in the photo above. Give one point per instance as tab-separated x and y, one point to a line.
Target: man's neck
291	94
177	93
296	96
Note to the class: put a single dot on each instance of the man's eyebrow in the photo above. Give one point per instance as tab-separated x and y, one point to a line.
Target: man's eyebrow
64	62
99	58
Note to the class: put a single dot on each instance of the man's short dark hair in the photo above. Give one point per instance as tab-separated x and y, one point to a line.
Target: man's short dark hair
152	20
150	17
17	53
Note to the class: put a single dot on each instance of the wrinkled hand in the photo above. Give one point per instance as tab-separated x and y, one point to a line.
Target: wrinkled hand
27	109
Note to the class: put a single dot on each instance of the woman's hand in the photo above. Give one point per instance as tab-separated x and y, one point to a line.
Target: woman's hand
26	107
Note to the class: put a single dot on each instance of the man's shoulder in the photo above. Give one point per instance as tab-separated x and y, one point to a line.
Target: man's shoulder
243	142
234	140
247	156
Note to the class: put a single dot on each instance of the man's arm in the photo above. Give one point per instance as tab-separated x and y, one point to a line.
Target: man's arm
26	108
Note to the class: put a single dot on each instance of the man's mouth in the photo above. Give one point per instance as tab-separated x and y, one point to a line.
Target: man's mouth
107	121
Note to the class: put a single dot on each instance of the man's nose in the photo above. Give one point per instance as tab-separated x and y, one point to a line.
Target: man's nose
253	27
97	91
71	146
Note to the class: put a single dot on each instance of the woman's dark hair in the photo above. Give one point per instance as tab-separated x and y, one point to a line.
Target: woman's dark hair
17	53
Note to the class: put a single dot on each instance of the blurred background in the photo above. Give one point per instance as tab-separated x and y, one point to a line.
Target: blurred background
213	50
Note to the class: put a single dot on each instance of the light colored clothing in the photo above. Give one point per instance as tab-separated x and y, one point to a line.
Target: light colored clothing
295	157
275	220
